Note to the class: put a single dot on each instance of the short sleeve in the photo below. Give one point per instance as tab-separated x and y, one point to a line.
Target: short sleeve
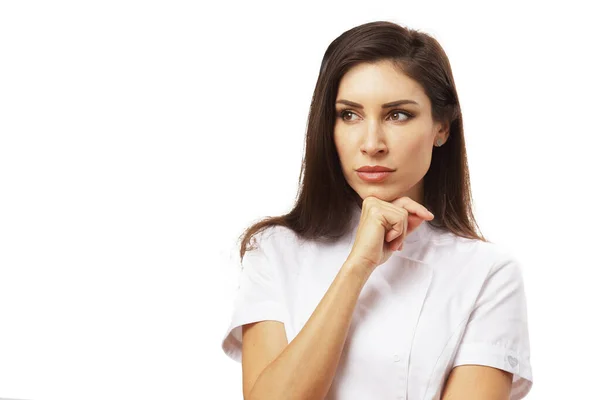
259	296
496	333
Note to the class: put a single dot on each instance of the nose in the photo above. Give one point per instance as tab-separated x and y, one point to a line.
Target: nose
374	139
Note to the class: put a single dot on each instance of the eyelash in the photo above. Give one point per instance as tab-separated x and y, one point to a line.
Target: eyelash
408	115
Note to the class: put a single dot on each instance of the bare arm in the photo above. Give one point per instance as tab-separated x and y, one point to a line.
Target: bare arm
304	368
477	382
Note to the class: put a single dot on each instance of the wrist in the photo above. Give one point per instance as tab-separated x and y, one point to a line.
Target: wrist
361	269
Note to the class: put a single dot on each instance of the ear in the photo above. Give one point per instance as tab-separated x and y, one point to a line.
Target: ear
443	130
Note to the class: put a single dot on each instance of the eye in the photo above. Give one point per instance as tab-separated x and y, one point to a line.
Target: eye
408	116
343	113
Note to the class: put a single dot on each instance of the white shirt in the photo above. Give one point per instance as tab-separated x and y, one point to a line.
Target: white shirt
441	301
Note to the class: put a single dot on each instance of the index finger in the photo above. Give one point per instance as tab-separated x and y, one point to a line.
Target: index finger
412	206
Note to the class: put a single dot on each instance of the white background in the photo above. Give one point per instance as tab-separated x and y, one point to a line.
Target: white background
139	139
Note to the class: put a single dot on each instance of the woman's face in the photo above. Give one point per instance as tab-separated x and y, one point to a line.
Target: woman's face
400	137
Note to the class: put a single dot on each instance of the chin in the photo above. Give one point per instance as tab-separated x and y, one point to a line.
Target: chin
382	193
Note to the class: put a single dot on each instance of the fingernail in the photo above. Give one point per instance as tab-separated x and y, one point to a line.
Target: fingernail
430	213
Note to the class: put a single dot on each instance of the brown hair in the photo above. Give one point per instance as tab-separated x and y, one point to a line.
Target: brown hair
325	199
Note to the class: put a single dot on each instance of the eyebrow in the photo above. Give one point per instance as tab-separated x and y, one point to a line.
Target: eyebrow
386	105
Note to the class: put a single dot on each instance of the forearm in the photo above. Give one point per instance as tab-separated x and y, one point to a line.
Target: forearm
307	365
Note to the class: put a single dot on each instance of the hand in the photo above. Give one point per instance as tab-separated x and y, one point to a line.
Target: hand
382	228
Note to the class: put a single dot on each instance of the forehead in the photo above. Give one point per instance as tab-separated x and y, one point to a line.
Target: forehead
377	84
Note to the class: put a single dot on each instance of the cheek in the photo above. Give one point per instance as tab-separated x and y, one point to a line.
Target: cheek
342	151
409	148
421	154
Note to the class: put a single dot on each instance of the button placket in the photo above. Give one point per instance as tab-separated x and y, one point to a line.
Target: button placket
413	290
401	367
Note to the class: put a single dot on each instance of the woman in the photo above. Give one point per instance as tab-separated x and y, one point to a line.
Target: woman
376	285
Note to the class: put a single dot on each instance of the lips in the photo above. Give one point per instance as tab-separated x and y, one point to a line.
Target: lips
373	177
374	168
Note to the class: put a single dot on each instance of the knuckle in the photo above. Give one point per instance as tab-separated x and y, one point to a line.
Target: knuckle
375	211
402	212
368	201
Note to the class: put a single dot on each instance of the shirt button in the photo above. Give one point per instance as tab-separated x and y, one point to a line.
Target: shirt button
397	358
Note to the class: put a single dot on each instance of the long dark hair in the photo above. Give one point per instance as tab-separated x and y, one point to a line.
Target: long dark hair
325	199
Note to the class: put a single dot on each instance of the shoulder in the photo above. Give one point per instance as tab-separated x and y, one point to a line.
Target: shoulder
499	256
477	257
277	239
277	246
